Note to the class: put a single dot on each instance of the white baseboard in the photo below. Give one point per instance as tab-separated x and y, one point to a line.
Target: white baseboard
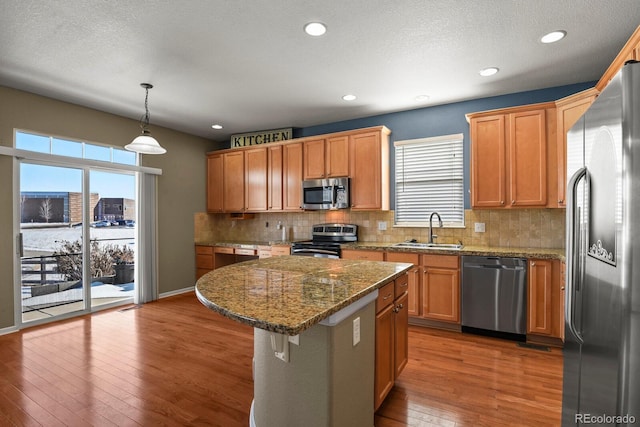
9	330
177	292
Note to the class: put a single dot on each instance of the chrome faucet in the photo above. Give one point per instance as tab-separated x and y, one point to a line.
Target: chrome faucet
431	235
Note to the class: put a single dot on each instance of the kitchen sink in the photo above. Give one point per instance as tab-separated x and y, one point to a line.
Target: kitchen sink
416	245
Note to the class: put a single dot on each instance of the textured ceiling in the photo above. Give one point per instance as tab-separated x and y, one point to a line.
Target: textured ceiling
249	66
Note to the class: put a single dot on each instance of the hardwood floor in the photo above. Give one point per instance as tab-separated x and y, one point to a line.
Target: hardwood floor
176	363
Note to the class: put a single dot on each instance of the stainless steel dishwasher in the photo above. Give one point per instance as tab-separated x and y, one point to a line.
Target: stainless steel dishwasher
494	296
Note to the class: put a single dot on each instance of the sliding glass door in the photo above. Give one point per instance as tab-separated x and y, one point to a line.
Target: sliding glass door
112	236
78	227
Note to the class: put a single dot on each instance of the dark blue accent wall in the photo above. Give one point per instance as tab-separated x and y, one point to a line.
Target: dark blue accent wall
441	120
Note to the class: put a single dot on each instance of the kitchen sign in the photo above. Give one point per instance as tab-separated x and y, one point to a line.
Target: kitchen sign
262	137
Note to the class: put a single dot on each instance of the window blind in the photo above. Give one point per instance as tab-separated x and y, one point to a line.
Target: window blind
429	178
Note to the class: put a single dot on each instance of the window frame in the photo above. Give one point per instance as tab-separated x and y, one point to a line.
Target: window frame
456	180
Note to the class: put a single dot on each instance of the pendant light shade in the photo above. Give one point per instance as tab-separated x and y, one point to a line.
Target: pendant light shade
145	143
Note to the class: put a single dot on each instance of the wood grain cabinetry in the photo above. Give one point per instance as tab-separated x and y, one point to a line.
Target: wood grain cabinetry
215	179
414	279
326	157
255	179
204	260
233	182
440	292
545	315
569	110
275	174
630	51
314	158
362	255
391	337
269	178
369	170
292	177
512	151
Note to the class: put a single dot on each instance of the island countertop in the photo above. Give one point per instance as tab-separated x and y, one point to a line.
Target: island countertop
289	294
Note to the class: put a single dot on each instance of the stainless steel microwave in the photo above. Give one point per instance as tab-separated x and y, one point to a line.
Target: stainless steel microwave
329	193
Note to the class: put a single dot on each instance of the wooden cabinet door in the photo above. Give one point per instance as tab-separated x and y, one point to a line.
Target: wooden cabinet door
441	294
568	114
337	156
528	158
401	334
274	171
255	168
215	183
539	297
314	159
488	161
414	278
545	304
365	163
384	364
234	182
292	177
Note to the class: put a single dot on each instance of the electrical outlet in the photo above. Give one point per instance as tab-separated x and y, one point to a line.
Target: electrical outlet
479	227
382	225
356	331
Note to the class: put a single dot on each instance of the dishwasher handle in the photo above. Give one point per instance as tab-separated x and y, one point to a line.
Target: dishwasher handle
495	266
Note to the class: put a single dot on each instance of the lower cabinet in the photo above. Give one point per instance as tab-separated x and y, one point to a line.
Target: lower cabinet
441	288
414	279
545	299
391	337
204	260
211	257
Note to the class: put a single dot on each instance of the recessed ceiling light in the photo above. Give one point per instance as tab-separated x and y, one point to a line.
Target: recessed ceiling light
553	36
315	29
490	71
421	98
349	97
216	127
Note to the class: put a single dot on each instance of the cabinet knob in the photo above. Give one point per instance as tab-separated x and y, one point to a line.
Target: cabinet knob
513	202
400	307
533	263
502	202
562	288
560	201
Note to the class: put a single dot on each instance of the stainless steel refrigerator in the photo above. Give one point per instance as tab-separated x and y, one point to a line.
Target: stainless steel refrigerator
601	383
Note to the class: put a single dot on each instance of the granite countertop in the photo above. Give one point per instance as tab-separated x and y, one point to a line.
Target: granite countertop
244	245
290	294
540	253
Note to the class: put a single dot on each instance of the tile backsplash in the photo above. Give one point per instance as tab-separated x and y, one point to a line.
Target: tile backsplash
531	228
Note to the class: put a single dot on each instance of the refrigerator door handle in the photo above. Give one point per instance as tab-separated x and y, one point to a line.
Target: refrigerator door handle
573	251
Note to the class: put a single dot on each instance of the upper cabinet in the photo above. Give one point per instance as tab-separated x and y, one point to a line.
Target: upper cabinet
215	177
569	110
255	179
630	51
326	157
511	161
369	167
269	177
292	177
233	181
275	174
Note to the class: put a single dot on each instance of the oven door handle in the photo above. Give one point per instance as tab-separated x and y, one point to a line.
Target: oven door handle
313	251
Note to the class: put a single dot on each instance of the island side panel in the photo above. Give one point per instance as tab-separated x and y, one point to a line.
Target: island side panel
327	381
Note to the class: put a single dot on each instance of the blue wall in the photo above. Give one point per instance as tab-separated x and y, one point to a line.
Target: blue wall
441	120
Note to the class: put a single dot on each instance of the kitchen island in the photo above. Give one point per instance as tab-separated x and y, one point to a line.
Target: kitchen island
314	334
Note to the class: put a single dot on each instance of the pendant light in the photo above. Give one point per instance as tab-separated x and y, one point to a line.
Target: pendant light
145	143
